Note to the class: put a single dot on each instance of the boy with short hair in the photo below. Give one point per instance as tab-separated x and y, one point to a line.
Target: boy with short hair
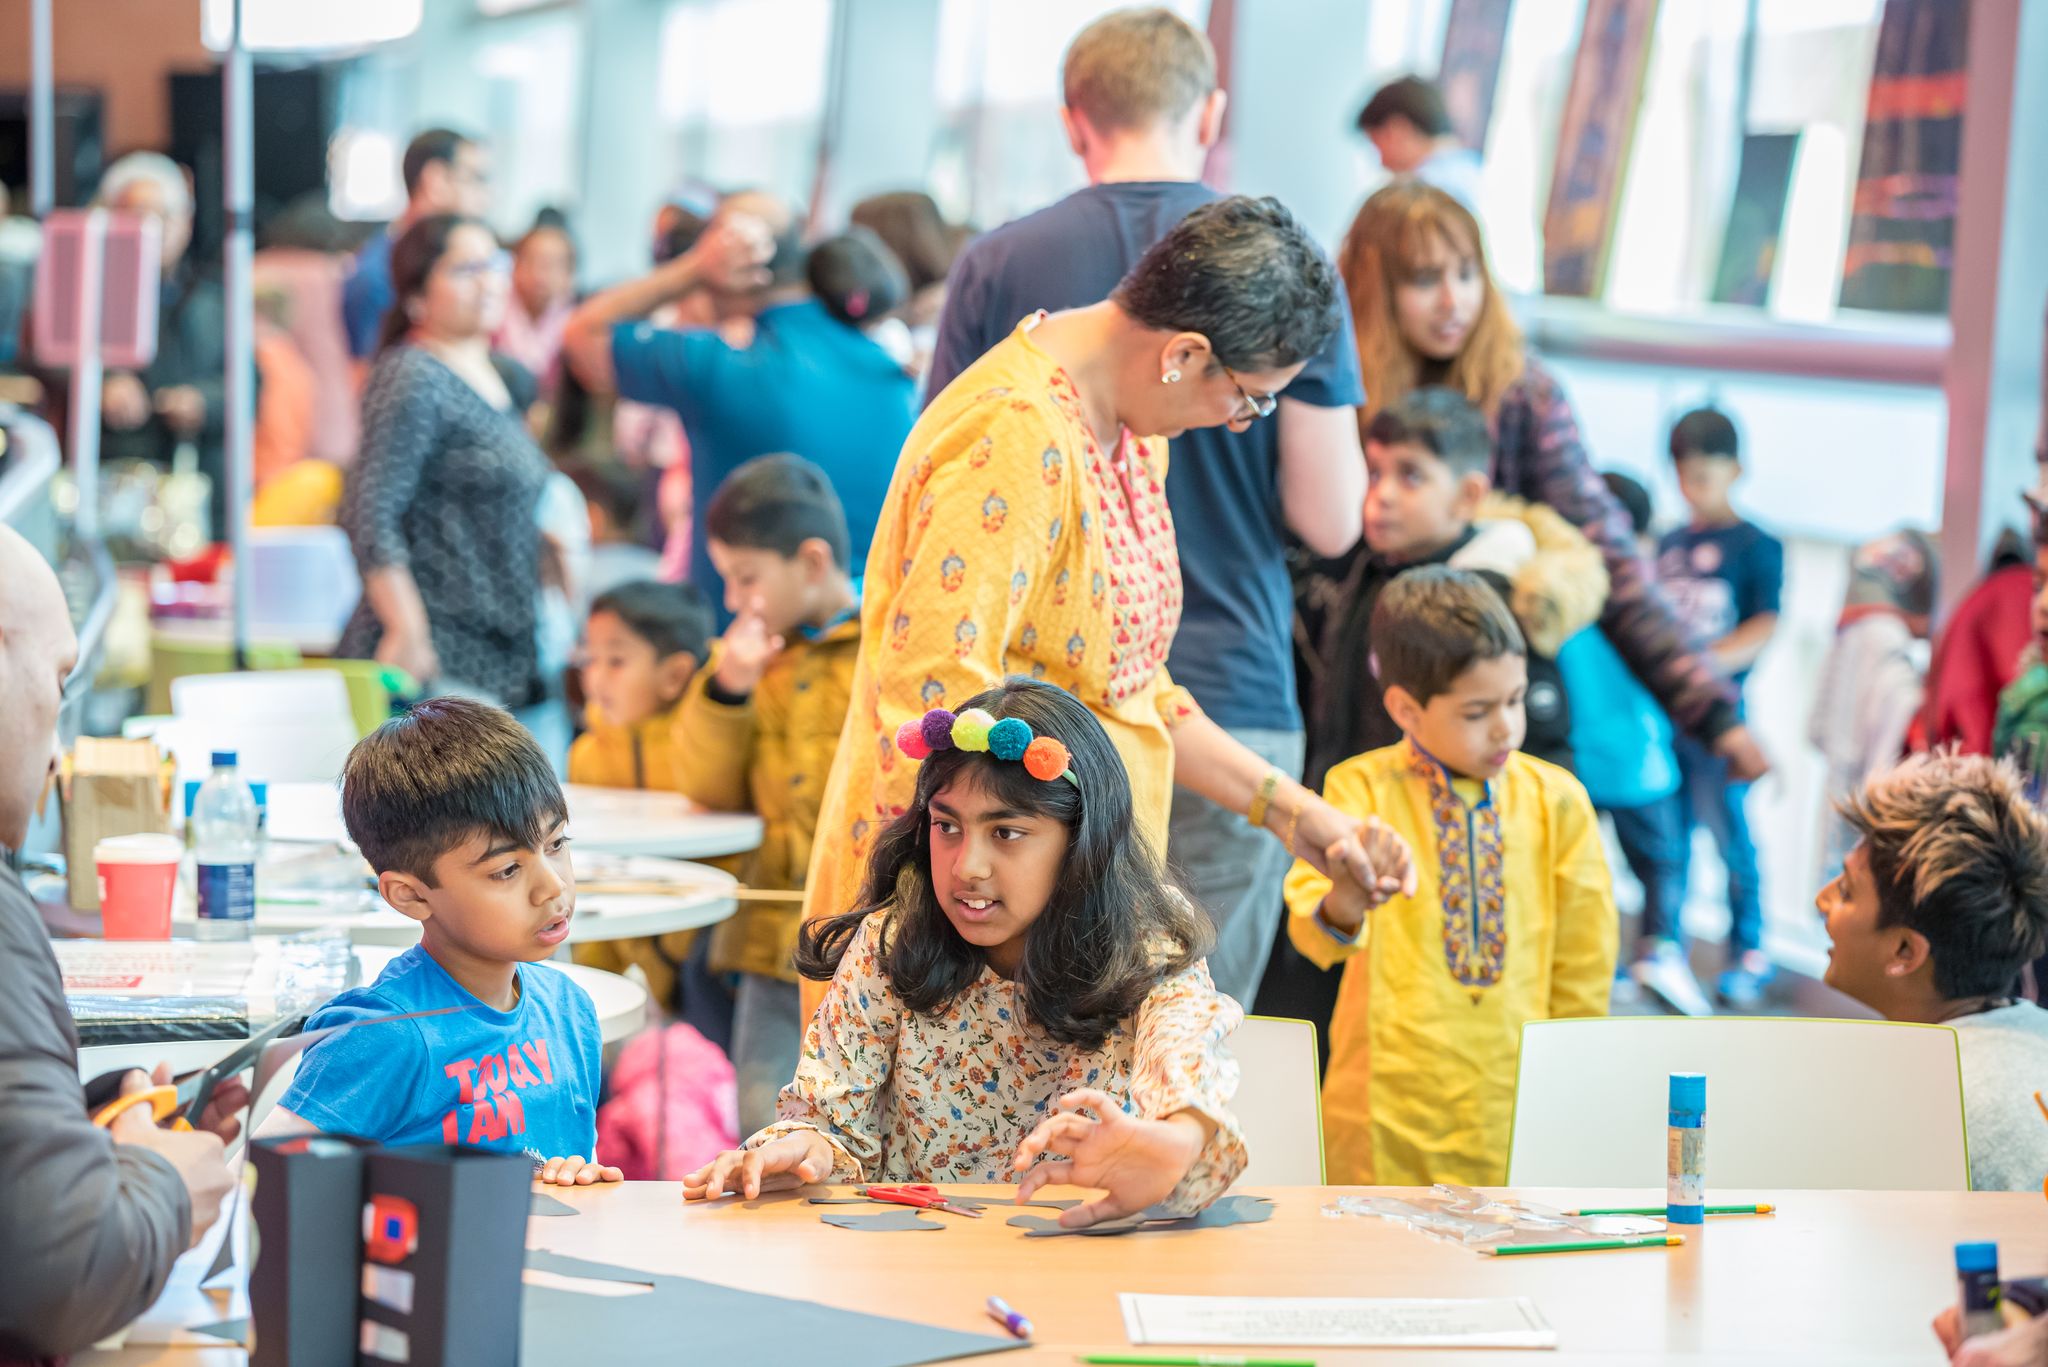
1724	576
1512	920
1939	906
759	727
459	813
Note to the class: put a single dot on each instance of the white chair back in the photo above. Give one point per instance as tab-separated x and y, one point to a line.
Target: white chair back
1279	1102
1791	1104
286	726
302	581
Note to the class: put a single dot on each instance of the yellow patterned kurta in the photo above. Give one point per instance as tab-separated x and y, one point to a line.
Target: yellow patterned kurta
948	1097
1010	544
1512	920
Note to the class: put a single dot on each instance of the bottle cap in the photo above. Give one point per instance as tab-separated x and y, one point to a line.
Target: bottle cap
1977	1258
223	759
1688	1091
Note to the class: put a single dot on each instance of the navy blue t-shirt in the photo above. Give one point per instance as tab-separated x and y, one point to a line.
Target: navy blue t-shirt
1719	577
1235	649
808	384
520	1081
366	296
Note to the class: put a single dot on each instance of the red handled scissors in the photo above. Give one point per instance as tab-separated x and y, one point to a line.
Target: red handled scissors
924	1196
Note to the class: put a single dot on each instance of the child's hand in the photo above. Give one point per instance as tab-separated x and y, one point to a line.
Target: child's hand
1136	1162
1366	867
791	1161
746	651
1389	856
574	1172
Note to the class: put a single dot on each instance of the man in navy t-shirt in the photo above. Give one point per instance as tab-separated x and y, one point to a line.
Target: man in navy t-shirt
806	384
1142	108
445	173
1724	576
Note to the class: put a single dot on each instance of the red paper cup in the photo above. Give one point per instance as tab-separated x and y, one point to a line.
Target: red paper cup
137	876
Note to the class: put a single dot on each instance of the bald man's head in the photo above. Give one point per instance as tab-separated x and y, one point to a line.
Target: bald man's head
37	650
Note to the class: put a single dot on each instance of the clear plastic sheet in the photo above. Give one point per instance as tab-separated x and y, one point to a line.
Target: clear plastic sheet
1472	1219
146	992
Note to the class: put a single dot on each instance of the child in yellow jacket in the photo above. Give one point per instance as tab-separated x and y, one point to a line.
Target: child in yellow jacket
758	729
641	647
1512	918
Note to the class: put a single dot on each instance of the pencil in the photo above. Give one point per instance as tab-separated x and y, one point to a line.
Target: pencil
1205	1360
1763	1208
1591	1245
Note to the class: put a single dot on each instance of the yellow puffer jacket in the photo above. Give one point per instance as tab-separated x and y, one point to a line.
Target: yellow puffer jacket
769	755
639	756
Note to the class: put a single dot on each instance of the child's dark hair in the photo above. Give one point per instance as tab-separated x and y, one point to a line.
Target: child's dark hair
612	489
1633	498
1411	98
1705	432
673	618
1960	855
1114	929
856	277
1433	623
776	503
1442	422
447	770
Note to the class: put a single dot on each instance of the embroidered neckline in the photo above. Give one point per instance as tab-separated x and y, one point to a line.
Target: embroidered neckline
1471	877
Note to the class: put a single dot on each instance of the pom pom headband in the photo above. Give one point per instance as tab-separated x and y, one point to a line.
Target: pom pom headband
1009	739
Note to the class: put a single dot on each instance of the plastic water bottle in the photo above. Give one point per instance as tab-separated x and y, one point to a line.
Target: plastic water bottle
224	838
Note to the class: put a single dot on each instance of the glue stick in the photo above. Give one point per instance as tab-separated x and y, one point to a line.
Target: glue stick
1977	1287
1685	1172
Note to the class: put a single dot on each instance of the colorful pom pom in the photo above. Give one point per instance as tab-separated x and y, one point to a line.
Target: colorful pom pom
1009	738
910	739
1045	759
937	729
971	728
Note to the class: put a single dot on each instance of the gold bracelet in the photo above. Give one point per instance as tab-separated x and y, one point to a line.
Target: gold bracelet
1262	800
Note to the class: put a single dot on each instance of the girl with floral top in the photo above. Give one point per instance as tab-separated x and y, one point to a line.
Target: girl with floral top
1019	989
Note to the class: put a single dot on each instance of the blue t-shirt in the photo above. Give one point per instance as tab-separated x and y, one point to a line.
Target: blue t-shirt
520	1081
1235	649
808	384
1719	577
366	296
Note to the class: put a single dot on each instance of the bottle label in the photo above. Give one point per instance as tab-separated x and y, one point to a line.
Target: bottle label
1685	1183
227	892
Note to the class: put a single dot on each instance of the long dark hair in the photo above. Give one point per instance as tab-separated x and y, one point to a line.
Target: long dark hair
413	257
1114	928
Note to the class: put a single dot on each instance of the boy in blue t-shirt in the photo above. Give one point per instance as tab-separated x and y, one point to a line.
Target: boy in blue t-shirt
1724	576
459	813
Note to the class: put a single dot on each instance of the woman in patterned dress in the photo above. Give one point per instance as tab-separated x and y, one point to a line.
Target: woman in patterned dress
1026	533
440	504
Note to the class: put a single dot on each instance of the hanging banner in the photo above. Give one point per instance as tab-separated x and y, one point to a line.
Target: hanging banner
1593	143
1474	37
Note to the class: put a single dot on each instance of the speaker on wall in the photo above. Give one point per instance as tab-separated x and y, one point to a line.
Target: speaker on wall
79	143
294	117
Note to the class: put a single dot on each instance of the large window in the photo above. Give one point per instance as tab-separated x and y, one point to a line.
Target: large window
1001	150
742	94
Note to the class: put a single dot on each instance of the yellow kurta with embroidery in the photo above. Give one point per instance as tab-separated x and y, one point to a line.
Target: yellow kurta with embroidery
769	755
638	756
1512	920
1011	543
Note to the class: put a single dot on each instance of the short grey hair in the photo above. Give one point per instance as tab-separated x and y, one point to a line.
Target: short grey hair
151	167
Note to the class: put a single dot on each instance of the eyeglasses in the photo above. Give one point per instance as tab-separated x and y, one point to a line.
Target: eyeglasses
1259	405
496	264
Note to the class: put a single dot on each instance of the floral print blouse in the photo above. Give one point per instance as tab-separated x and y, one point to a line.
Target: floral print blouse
948	1097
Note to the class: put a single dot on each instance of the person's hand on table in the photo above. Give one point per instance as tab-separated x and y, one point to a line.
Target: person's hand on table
745	652
183	409
124	401
574	1172
1136	1163
199	1156
791	1161
2023	1345
1747	761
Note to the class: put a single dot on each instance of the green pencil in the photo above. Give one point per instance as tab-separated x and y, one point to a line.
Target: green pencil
1592	1245
1205	1360
1763	1208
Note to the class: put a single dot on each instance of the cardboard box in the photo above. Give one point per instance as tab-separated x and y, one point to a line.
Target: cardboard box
109	787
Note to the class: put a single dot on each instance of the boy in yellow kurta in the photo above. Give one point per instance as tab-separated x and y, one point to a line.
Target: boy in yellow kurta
641	647
1512	920
758	729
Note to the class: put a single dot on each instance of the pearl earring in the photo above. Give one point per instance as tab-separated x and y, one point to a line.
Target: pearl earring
1170	377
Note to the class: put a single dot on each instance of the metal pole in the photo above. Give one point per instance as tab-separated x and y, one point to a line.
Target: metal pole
42	113
237	184
86	379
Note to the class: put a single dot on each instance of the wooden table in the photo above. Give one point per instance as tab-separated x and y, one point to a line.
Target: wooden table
602	820
1838	1279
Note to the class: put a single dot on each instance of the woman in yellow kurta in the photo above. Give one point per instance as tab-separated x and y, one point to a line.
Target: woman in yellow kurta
1026	532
